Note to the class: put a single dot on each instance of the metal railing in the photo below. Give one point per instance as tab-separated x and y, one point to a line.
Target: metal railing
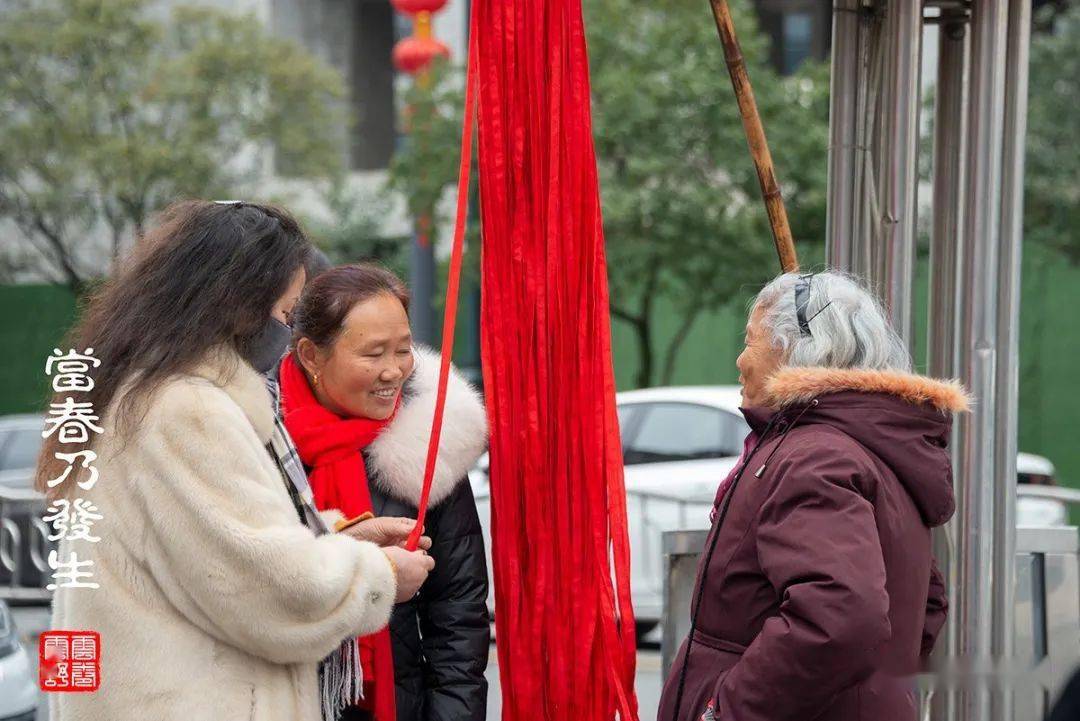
1056	493
24	546
1046	613
650	515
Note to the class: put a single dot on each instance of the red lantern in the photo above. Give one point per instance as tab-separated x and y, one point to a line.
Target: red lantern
413	7
413	54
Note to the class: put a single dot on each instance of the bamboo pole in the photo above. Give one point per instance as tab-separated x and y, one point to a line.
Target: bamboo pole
755	137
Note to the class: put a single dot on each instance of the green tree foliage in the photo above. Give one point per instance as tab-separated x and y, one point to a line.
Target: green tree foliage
1052	173
683	215
352	232
110	110
427	160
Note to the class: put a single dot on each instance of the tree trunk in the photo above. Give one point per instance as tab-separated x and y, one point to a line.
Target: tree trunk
643	332
641	322
62	255
677	341
643	338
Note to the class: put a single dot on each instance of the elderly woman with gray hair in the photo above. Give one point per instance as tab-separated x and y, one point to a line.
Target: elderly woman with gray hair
817	594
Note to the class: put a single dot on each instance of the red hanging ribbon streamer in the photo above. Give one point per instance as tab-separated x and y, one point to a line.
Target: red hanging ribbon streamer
452	285
565	626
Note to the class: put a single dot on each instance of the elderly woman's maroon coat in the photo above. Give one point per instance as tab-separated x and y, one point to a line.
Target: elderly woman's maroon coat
821	595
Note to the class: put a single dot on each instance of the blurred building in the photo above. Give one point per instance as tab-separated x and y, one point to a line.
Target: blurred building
802	29
798	30
356	37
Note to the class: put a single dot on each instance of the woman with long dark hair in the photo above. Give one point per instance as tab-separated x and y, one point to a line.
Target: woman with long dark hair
358	399
213	600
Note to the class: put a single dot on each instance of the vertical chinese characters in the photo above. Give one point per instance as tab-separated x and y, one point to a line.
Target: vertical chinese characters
74	421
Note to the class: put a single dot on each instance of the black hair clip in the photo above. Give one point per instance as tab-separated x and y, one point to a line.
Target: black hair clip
802	300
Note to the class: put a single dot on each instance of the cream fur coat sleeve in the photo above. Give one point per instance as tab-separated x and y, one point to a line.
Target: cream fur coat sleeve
225	545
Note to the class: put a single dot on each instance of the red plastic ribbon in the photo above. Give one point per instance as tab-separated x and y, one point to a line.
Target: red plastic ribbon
452	285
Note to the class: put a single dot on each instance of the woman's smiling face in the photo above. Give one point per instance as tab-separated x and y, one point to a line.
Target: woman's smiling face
362	373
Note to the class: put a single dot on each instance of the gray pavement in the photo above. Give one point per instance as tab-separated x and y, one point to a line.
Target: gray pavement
31	620
648	685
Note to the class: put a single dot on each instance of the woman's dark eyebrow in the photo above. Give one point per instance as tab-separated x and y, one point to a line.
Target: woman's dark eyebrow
367	343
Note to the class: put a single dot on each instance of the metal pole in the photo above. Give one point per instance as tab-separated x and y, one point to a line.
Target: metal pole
422	288
983	577
1008	329
948	184
422	253
846	71
948	201
871	60
897	168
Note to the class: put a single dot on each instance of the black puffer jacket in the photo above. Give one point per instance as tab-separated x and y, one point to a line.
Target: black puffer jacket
441	637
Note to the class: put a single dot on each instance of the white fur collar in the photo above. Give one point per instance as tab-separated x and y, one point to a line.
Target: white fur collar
224	367
397	457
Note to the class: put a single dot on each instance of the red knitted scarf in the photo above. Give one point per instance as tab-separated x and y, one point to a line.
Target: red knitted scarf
331	446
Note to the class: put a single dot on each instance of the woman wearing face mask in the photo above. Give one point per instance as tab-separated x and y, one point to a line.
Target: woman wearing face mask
358	400
213	599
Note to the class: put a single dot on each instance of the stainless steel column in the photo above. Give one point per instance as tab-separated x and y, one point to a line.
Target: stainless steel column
873	153
948	200
1008	327
983	578
847	72
897	161
950	106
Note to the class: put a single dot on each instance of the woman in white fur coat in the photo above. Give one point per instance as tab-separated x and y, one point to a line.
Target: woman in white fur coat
358	399
213	600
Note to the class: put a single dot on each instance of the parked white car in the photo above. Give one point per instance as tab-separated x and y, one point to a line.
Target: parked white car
20	441
18	676
678	444
24	542
1032	471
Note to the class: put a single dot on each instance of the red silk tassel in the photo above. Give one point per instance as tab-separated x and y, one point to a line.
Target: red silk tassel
564	622
565	631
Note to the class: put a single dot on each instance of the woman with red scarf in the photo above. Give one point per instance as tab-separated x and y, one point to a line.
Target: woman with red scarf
357	399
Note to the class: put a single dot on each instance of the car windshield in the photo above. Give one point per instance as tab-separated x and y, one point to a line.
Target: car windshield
675	431
19	449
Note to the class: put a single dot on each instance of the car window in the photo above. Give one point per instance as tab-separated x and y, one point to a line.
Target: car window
684	431
19	449
733	431
628	415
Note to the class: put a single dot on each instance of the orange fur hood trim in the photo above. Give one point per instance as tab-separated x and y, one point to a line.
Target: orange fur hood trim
791	385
